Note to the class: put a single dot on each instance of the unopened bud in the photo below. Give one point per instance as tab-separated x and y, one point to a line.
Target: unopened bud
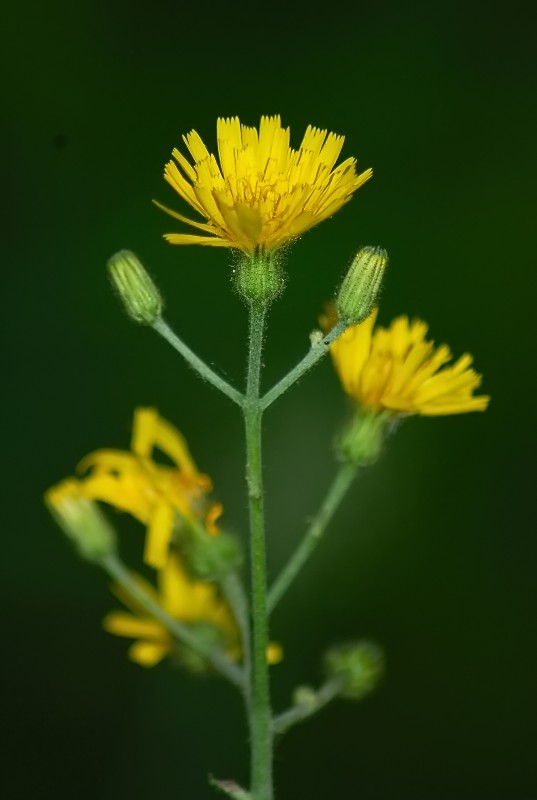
81	520
211	558
139	295
361	285
305	697
359	666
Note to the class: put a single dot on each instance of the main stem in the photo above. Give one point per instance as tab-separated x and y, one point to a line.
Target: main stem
260	713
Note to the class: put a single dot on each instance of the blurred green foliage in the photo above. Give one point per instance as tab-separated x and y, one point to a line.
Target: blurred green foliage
433	555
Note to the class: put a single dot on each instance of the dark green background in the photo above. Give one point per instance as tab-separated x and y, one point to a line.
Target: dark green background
434	555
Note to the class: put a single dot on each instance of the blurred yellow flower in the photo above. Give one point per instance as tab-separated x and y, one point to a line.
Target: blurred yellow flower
81	520
158	496
397	369
193	602
260	193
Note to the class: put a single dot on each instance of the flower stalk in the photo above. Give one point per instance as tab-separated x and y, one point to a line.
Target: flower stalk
337	491
203	370
260	713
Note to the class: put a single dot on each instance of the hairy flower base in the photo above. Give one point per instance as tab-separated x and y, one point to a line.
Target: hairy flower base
260	193
398	369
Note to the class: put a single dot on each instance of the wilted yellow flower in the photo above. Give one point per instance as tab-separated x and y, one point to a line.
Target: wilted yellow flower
397	369
193	602
158	496
187	600
259	193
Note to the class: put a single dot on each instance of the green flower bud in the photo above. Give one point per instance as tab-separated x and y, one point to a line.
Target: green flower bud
361	285
259	278
136	290
305	697
211	558
363	437
81	520
359	666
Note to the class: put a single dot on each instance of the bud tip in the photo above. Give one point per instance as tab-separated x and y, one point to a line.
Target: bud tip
135	287
361	285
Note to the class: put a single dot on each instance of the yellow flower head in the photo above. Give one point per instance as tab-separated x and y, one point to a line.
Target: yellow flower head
193	602
259	193
158	496
397	369
188	600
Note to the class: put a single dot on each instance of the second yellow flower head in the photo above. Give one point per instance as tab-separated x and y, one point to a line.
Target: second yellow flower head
397	369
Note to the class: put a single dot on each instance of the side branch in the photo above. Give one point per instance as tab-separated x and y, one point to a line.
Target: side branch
208	374
328	692
334	496
316	352
236	597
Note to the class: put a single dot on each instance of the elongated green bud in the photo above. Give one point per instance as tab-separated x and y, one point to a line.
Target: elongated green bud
361	285
359	666
81	520
136	290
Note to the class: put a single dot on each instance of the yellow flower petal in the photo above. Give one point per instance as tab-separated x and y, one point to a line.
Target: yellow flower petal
121	623
175	588
120	492
148	654
274	653
201	226
188	238
159	534
214	513
107	460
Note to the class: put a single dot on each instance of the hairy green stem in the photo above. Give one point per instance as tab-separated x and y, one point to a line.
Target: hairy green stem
236	597
162	327
316	351
260	714
338	488
119	572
